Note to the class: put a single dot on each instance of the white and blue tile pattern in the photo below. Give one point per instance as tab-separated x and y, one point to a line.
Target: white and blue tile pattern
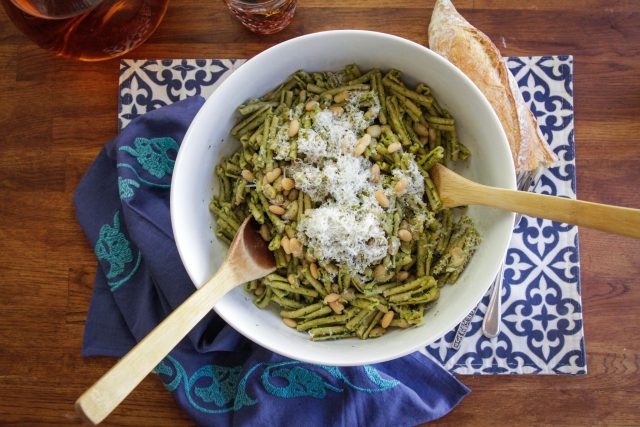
542	330
147	85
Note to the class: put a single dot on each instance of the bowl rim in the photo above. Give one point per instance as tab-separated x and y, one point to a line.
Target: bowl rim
262	339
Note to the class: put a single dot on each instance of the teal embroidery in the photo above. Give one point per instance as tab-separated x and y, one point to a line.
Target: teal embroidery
144	181
153	154
164	369
373	375
117	284
225	387
376	378
125	187
112	246
223	390
299	381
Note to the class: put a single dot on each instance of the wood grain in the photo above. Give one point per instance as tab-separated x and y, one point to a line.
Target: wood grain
57	114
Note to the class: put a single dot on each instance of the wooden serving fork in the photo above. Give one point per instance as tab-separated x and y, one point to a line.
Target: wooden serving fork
454	190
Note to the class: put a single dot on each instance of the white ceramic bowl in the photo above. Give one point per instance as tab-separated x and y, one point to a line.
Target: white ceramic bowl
208	140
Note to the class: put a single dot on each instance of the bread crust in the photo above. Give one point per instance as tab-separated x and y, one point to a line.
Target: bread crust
453	37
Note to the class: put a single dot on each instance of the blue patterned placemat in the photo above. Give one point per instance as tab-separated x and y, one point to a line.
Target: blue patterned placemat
542	309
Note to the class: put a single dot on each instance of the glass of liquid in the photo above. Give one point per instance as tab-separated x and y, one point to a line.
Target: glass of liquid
263	16
89	30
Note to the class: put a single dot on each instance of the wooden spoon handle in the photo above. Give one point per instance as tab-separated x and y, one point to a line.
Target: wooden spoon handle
613	219
107	393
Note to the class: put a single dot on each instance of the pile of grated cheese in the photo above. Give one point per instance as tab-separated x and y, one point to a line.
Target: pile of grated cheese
347	227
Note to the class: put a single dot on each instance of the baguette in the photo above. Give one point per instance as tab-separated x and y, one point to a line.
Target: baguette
451	36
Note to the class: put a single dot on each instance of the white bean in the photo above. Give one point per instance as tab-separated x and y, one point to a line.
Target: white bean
382	199
374	130
294	126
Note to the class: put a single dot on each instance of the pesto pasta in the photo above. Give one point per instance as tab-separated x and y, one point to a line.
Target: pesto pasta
334	166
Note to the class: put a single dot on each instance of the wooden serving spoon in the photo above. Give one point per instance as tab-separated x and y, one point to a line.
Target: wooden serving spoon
248	259
455	191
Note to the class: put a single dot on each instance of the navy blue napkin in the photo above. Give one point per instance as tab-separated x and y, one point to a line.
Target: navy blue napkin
215	374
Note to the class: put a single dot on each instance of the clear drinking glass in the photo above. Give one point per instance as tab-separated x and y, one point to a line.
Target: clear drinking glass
263	16
89	30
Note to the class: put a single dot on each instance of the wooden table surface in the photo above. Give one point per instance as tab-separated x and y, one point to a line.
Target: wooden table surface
56	115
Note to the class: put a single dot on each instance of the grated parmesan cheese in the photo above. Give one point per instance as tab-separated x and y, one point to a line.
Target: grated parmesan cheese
346	237
281	145
415	186
347	229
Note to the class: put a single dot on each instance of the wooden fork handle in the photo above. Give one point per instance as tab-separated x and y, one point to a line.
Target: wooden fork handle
613	219
107	393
